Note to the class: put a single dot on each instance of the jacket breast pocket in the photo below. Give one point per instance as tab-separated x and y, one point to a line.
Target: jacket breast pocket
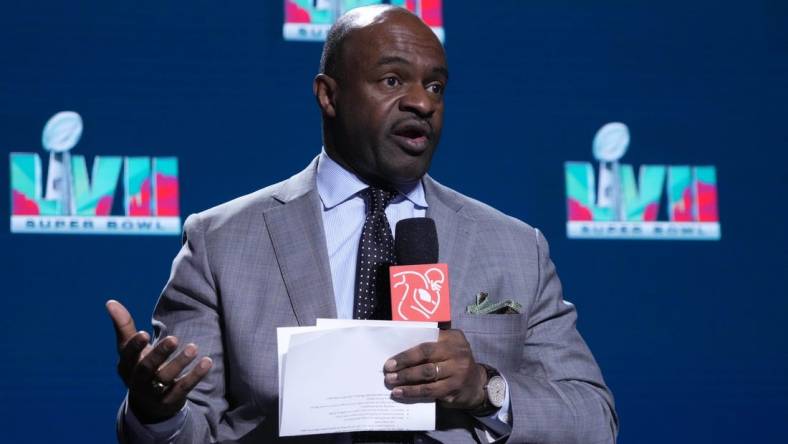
496	339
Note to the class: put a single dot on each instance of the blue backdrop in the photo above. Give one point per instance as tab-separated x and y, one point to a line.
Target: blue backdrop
690	335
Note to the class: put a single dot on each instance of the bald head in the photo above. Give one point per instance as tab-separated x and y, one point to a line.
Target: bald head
355	19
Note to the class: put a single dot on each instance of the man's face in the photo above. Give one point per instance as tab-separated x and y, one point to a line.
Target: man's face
389	101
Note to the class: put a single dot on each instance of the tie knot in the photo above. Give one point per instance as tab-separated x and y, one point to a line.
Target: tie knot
379	199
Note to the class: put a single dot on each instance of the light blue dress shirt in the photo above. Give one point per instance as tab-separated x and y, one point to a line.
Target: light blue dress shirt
344	212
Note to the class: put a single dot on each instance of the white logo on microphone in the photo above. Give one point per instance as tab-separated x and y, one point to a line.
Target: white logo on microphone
421	292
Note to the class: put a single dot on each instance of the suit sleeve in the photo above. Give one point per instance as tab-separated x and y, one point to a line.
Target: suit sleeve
189	309
558	395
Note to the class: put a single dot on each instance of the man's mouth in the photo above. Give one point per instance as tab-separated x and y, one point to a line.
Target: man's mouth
413	136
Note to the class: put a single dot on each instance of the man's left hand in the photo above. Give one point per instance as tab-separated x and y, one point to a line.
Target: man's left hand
444	371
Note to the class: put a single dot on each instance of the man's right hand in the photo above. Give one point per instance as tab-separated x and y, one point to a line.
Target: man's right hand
141	365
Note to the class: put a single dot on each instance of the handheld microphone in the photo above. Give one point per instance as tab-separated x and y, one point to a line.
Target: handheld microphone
419	285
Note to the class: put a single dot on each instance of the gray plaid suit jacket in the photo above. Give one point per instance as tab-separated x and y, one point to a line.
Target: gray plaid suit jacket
260	262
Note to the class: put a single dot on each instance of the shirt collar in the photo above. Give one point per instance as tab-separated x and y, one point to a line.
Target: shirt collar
335	185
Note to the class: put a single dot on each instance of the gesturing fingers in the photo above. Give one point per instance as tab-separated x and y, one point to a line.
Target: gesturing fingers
169	371
149	364
122	321
129	354
177	393
155	390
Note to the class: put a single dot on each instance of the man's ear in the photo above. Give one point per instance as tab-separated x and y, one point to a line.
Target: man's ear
325	89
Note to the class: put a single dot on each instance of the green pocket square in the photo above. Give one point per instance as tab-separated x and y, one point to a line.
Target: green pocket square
484	305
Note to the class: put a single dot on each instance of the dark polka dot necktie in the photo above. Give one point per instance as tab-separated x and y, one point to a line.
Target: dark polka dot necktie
375	255
373	300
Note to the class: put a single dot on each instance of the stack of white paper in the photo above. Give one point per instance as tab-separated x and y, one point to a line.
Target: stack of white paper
331	377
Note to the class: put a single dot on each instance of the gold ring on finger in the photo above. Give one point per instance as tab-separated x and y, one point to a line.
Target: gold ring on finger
159	387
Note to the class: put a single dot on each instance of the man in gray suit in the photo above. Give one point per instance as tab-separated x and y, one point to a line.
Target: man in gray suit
272	259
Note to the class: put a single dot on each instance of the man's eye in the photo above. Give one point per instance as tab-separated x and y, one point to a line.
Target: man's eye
391	81
435	88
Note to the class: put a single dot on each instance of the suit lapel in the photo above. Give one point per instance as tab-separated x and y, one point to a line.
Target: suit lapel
296	230
456	235
298	238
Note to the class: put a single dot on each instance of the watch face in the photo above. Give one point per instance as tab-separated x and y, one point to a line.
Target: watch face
496	390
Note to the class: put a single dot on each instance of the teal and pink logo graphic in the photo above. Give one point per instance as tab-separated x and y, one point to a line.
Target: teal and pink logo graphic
310	20
75	201
617	204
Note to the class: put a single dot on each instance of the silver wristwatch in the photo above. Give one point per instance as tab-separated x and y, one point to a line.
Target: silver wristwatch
494	392
495	389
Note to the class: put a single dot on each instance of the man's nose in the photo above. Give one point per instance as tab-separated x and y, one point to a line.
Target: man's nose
418	101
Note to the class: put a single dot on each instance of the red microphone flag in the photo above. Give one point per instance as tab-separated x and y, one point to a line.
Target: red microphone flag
420	293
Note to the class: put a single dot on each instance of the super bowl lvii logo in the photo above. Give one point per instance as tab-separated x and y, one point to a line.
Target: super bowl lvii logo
78	202
615	205
310	20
